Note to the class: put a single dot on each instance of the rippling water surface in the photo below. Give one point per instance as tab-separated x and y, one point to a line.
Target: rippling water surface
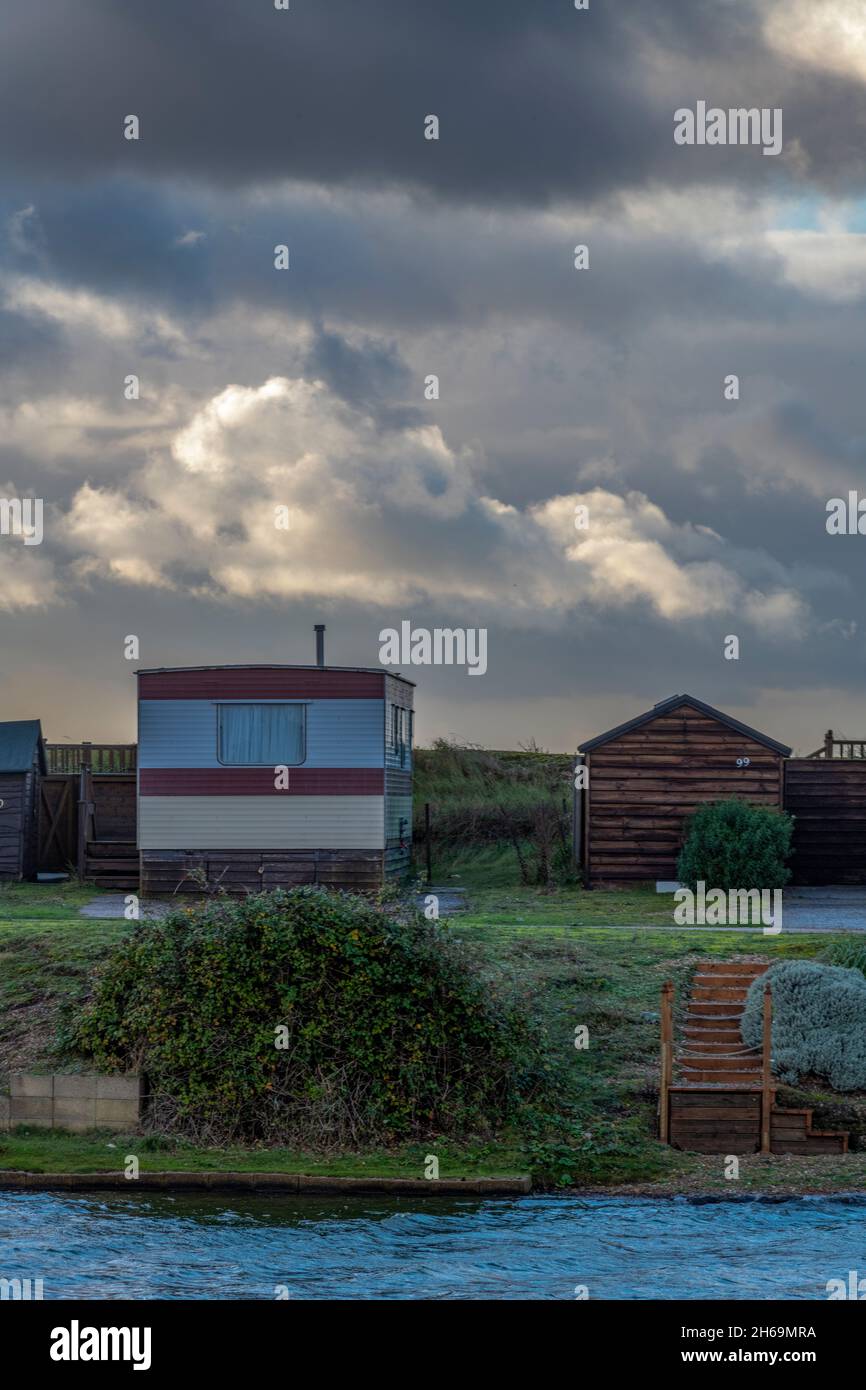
212	1247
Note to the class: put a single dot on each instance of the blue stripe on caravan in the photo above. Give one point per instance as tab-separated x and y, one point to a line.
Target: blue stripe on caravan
182	733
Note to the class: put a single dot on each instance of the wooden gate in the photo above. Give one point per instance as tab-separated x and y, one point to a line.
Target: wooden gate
87	812
827	797
58	822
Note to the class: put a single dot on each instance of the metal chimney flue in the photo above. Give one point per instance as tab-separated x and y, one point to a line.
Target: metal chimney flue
320	644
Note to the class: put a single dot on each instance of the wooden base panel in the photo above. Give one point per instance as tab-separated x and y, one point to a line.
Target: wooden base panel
240	871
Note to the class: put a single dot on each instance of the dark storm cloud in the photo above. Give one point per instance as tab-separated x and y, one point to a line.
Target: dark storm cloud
364	375
537	101
390	263
25	344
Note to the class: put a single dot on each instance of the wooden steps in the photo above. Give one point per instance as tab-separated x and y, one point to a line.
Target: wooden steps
725	1121
791	1132
715	1101
112	864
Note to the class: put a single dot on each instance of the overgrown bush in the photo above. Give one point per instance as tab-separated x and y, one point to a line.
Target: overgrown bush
733	844
389	1031
819	1022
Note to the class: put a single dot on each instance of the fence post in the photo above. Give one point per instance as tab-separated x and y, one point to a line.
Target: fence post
766	1073
428	845
85	805
667	1036
81	855
577	813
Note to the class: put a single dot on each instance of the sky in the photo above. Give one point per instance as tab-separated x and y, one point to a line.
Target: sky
305	388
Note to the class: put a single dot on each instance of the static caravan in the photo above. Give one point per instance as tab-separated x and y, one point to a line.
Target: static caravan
647	776
22	766
272	776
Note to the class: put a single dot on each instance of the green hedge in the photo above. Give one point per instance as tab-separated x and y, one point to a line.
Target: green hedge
391	1032
734	844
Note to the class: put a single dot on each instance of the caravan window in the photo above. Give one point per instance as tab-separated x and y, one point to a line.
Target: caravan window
261	735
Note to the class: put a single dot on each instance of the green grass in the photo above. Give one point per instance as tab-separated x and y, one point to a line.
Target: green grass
518	906
55	1151
449	774
44	902
47	953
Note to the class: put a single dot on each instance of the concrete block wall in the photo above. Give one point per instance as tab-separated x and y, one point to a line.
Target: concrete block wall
72	1100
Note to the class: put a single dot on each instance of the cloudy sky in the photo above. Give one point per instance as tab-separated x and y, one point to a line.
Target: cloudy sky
559	388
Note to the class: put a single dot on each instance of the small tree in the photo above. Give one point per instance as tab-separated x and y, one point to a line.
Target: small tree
734	844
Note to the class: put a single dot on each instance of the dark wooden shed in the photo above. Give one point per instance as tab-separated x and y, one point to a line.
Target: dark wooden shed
647	776
22	765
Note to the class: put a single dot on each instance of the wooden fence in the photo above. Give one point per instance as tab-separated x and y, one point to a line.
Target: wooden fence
827	798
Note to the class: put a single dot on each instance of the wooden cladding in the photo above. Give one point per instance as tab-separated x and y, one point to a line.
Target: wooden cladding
644	782
827	798
240	870
259	781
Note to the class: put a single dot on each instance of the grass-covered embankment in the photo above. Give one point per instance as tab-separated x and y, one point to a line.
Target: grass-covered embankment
567	971
511	808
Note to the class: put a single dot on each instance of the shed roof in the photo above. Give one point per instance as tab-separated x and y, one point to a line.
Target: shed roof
674	702
19	741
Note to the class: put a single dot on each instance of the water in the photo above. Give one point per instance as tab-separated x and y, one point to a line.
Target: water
219	1247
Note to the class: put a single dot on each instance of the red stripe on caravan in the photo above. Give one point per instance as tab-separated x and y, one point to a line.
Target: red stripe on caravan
258	683
259	781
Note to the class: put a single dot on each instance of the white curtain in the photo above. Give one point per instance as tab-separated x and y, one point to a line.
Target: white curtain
261	734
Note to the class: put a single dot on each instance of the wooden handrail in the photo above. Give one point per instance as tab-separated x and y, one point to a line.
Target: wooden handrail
767	1073
856	747
666	1069
101	758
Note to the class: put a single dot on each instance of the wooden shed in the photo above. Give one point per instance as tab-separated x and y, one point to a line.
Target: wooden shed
211	740
22	765
646	776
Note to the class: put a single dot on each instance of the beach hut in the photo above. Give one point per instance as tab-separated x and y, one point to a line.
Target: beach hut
646	776
22	765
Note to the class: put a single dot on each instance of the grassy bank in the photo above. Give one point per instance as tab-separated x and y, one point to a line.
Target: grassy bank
484	798
567	969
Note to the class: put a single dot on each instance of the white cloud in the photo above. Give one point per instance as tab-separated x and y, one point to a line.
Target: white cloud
825	34
390	518
83	311
26	577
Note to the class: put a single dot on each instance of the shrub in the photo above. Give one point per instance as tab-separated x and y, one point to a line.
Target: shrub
851	954
819	1022
733	844
390	1031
